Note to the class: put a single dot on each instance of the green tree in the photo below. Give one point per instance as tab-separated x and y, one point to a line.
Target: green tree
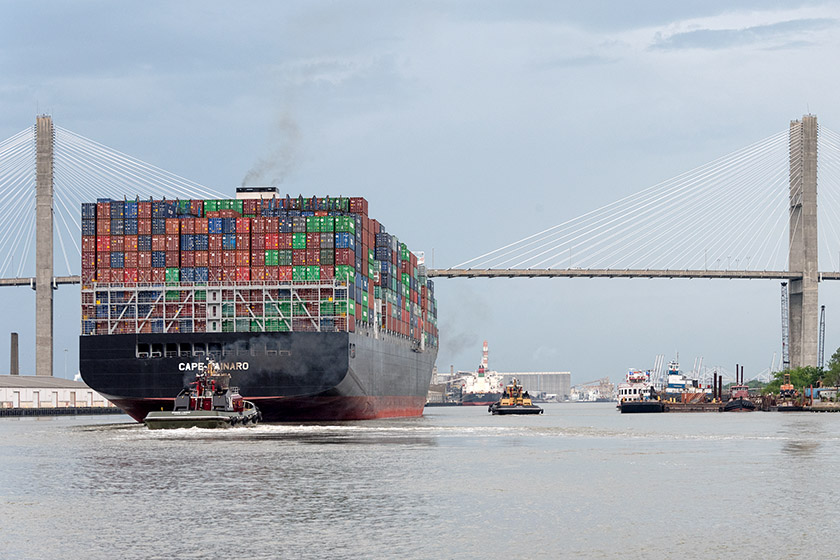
832	374
800	377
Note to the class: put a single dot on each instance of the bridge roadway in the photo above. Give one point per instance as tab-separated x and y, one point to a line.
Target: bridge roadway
620	273
549	273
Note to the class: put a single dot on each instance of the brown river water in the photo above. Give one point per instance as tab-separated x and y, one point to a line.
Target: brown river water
580	481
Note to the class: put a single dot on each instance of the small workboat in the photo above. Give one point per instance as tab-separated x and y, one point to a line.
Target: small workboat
740	400
514	401
208	402
637	395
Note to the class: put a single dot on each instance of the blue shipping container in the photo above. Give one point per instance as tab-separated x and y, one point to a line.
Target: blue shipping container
158	226
130	226
229	241
117	259
158	259
214	225
187	242
144	242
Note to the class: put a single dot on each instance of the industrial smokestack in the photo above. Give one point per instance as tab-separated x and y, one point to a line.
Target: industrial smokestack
14	365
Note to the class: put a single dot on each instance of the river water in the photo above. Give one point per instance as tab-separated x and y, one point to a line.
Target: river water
580	481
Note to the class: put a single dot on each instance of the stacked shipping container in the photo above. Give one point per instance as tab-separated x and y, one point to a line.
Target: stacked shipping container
271	262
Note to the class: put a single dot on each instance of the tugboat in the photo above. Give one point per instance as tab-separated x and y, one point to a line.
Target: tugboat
740	400
514	401
207	402
638	395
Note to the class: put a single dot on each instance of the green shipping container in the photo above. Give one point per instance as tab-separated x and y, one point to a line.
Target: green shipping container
243	325
211	206
313	224
327	223
200	295
299	273
313	273
173	295
272	257
327	307
365	314
238	205
406	279
257	326
404	252
173	275
345	272
298	241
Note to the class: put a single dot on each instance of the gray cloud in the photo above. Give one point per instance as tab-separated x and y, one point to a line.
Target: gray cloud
713	39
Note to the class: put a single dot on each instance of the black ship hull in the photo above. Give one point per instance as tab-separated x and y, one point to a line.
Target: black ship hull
480	398
289	376
637	407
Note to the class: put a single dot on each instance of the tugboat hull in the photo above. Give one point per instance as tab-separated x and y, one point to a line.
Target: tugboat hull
628	407
498	409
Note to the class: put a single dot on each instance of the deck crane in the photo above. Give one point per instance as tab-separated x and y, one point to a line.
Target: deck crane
785	327
821	350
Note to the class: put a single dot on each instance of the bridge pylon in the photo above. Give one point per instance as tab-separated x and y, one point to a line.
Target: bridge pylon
44	140
802	249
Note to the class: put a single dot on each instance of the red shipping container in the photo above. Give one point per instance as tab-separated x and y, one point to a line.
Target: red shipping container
257	273
88	243
327	272
257	258
258	225
187	225
201	225
103	243
116	275
130	243
226	214
144	226
215	274
158	243
103	227
173	226
250	206
243	225
243	259
215	242
117	242
285	240
313	256
358	205
228	273
272	273
345	257
188	258
173	243
144	275
103	210
172	259
229	259
284	273
351	323
215	259
158	274
103	259
298	257
243	241
272	241
103	274
131	260
321	212
313	240
272	225
243	274
88	259
144	209
258	242
358	310
130	275
202	258
144	259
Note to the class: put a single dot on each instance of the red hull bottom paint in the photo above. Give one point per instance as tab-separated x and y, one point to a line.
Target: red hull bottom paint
293	409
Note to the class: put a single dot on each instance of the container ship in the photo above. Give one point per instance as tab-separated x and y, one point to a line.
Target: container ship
315	310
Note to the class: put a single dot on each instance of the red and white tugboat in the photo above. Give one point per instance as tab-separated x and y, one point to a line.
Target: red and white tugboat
207	402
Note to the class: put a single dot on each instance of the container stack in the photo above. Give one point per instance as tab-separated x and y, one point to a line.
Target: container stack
279	264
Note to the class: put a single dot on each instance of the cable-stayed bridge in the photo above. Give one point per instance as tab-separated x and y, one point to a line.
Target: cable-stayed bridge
752	214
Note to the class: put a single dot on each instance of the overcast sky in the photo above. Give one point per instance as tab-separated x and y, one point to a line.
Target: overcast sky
466	125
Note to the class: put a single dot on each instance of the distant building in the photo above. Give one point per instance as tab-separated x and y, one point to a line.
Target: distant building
549	382
30	391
